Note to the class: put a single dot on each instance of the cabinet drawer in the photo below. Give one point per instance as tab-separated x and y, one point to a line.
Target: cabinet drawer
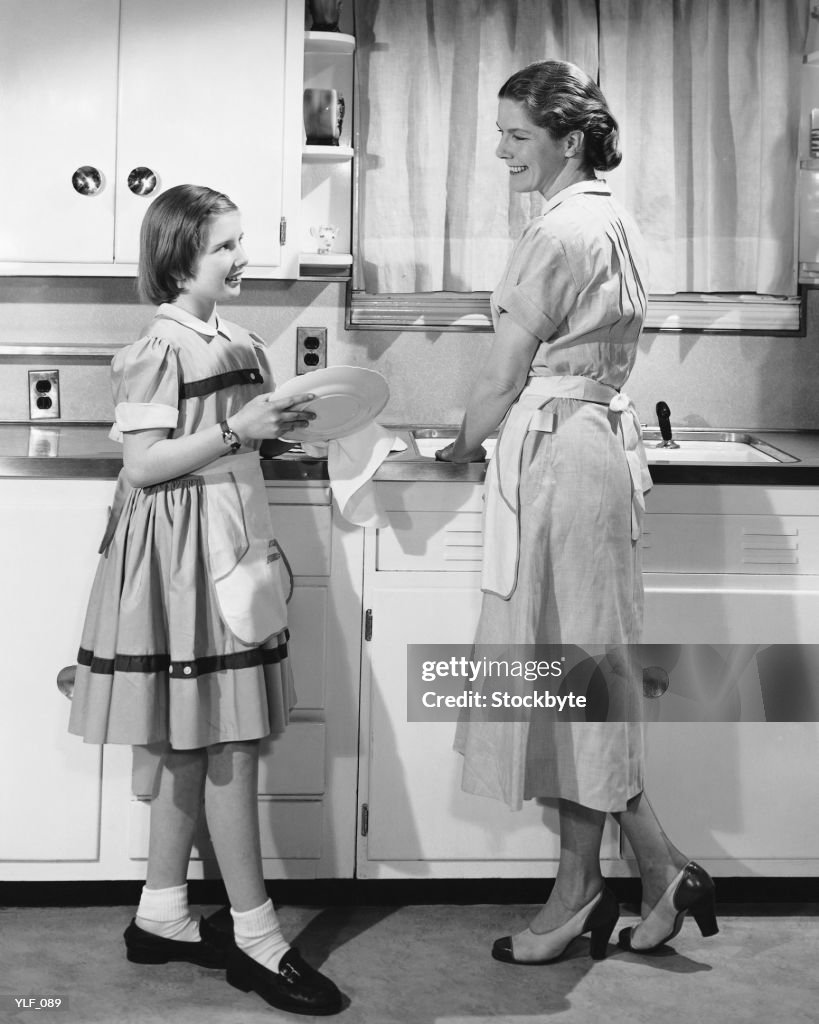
756	544
305	534
431	542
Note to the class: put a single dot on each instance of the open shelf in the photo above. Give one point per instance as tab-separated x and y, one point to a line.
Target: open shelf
328	154
329	259
328	42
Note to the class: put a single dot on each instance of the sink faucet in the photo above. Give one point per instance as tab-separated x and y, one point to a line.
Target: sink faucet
664	419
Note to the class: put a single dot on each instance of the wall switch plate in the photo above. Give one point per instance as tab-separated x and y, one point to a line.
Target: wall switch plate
44	394
311	348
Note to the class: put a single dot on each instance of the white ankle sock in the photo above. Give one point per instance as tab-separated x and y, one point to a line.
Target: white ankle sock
164	912
257	933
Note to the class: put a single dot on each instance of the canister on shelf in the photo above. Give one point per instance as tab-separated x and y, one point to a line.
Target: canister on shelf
814	133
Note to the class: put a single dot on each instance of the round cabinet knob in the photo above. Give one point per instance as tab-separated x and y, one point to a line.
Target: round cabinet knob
87	181
142	181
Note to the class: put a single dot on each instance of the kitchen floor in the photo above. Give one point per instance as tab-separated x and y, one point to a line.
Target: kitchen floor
425	965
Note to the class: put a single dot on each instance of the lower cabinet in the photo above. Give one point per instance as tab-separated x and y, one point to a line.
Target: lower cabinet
735	794
76	811
353	787
52	792
732	597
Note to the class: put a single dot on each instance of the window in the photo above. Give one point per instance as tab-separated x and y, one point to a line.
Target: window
707	99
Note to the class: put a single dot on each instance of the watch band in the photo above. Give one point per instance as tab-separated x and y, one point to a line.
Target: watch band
230	437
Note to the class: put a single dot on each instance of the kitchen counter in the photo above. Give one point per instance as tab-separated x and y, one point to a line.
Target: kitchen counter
84	450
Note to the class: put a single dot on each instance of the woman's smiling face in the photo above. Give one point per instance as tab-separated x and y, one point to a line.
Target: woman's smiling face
535	160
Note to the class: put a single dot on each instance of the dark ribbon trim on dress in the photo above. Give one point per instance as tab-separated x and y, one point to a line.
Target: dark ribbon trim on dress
153	663
220	381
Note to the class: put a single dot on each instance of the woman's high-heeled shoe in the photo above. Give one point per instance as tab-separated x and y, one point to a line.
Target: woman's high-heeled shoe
691	891
598	917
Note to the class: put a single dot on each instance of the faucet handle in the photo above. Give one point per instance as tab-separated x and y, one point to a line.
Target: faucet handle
664	419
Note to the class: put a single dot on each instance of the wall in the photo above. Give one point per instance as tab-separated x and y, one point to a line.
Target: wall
730	381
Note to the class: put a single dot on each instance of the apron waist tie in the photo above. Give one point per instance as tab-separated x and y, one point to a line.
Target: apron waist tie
502	488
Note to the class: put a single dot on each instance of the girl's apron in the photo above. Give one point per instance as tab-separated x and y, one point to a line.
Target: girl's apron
245	560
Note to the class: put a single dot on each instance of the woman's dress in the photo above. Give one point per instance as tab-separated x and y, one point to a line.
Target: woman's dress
564	503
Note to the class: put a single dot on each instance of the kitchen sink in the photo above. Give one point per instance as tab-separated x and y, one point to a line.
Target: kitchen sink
705	447
696	447
429	439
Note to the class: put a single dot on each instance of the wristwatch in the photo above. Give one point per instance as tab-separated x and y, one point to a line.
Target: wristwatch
230	437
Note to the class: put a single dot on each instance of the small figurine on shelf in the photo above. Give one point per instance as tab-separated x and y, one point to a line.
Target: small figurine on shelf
325	235
323	116
325	14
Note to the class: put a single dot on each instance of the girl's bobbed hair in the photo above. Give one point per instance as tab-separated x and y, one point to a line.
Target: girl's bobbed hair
172	238
560	97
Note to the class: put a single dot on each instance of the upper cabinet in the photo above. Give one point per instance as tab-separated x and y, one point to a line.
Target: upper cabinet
106	103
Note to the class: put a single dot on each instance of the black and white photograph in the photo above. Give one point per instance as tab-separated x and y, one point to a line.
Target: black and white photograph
409	511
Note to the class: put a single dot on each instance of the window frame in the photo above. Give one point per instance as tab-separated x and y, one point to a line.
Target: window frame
765	315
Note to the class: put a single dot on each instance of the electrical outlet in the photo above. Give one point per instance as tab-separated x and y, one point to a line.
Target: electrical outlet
44	394
311	348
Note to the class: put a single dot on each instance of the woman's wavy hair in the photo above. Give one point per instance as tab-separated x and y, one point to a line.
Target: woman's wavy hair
560	97
172	238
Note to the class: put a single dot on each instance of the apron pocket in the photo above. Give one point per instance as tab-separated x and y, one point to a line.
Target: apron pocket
247	581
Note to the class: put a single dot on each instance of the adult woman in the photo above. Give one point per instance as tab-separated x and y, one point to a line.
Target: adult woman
564	499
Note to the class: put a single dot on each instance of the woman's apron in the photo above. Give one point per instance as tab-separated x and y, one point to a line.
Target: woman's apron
501	528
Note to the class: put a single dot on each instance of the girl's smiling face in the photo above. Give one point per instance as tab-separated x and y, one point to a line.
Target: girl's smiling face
537	162
218	272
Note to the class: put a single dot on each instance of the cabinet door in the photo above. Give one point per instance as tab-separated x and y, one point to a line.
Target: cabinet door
420	822
734	794
51	793
58	86
201	101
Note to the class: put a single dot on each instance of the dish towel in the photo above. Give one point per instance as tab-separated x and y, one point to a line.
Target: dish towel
351	463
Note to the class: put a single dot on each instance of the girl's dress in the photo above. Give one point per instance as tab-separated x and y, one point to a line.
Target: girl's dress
564	503
185	639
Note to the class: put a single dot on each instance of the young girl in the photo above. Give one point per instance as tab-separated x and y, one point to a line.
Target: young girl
185	642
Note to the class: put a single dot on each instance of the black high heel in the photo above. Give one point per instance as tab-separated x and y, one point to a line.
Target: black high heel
692	891
598	917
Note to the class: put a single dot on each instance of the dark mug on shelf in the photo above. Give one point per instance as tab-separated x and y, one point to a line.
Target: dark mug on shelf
325	14
323	116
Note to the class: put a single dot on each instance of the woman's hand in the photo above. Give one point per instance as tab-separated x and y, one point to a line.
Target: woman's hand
449	454
266	416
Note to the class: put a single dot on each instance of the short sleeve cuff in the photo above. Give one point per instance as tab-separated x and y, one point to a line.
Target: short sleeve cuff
525	313
144	416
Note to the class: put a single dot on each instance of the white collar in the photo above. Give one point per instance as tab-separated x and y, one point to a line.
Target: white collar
589	186
173	312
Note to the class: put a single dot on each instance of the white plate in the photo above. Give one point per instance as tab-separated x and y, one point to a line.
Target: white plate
347	398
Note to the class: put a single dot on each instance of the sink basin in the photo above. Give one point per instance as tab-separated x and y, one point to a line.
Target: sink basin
708	447
428	446
696	448
700	452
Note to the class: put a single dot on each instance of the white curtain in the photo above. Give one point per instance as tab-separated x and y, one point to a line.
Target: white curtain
434	208
706	93
707	96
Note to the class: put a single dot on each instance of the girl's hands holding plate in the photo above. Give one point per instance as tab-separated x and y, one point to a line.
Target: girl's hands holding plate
269	415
